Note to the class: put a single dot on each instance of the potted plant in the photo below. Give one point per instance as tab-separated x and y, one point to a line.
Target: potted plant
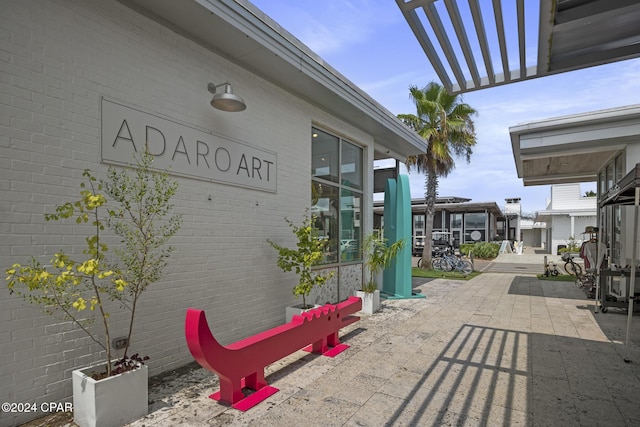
115	392
307	254
377	256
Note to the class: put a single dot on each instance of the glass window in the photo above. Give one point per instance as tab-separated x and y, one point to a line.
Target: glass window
325	213
456	220
350	230
336	196
500	229
351	165
616	241
324	155
418	225
474	220
602	183
474	227
610	176
619	167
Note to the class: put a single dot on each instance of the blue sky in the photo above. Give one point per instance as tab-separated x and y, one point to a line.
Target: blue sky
370	43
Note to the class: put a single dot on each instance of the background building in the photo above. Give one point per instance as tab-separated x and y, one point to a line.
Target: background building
567	215
456	219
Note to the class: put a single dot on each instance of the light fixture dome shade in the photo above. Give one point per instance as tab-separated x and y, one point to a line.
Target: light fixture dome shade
226	101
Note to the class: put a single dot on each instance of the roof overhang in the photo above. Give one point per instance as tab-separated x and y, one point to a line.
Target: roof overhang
517	41
243	34
470	207
572	148
547	215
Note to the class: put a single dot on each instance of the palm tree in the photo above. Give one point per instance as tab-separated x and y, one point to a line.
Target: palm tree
444	121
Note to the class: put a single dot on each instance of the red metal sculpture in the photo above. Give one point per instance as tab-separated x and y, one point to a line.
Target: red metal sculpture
242	363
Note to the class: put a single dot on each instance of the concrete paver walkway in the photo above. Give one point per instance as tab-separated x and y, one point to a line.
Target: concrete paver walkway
498	350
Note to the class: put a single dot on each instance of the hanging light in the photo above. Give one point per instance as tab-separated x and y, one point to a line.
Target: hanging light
225	101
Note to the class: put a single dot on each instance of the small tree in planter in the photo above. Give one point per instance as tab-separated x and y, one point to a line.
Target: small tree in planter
71	286
307	254
377	256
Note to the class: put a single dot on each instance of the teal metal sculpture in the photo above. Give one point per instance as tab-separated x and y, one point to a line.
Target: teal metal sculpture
397	226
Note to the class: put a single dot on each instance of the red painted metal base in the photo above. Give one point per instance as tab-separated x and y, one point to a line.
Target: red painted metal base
332	352
241	365
251	400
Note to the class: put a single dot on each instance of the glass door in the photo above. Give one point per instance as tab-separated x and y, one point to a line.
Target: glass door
456	229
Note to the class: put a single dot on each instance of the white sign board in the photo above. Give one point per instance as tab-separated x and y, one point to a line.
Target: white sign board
183	150
505	247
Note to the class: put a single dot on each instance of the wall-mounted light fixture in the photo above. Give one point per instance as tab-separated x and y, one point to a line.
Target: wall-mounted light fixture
225	101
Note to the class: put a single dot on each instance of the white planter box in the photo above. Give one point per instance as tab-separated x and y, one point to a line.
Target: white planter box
292	310
112	401
370	301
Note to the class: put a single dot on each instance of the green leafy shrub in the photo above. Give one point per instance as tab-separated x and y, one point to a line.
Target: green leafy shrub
481	249
378	255
307	254
72	285
466	248
572	245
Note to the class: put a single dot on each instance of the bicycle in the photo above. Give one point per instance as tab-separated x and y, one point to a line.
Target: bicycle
587	282
450	262
551	269
441	262
570	266
436	257
462	265
436	252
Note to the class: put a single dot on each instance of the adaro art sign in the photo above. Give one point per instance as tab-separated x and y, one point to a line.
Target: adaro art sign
183	150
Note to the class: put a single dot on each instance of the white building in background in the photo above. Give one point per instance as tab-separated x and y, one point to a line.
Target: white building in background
533	233
512	215
567	214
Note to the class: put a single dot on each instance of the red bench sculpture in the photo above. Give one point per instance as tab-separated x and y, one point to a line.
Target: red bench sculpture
242	363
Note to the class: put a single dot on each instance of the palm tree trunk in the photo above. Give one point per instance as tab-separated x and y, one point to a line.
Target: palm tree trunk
431	192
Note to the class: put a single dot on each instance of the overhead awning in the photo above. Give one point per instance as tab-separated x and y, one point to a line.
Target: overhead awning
572	148
462	206
475	44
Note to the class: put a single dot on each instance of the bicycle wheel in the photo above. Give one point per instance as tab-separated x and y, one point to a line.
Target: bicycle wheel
420	263
573	268
435	263
585	281
446	264
465	266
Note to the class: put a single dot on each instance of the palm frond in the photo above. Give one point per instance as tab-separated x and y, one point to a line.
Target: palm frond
445	122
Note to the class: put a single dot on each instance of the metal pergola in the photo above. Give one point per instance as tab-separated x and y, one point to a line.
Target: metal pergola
474	44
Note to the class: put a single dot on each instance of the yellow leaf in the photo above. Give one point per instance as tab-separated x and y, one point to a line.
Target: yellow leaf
80	304
120	284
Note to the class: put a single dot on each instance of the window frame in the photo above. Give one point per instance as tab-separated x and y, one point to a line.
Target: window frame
342	188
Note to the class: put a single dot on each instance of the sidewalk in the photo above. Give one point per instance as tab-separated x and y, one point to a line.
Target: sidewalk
531	261
501	349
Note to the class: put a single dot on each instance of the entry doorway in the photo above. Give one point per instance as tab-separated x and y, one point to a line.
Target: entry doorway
456	235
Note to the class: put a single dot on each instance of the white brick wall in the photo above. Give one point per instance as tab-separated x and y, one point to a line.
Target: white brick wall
57	59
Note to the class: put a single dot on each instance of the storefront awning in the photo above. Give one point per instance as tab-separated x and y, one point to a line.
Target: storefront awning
572	148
